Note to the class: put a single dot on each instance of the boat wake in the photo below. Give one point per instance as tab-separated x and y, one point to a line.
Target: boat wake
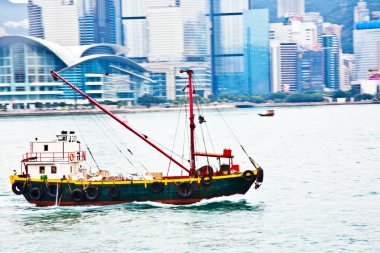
226	203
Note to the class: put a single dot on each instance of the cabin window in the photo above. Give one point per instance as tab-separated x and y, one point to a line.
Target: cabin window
42	169
46	147
53	169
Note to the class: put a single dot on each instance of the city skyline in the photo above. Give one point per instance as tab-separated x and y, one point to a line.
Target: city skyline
13	20
234	45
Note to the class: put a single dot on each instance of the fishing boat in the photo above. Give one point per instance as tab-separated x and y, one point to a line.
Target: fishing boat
269	113
55	172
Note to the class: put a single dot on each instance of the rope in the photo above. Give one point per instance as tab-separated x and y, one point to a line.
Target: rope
106	134
250	158
175	137
88	148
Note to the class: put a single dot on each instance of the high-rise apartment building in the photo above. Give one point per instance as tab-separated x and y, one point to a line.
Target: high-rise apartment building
290	8
256	51
366	47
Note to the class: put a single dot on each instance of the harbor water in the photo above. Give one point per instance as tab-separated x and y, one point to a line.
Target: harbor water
321	190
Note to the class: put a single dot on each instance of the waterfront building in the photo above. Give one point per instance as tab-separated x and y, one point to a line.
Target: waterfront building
54	20
331	48
25	64
310	69
283	66
288	66
366	47
169	82
256	52
290	8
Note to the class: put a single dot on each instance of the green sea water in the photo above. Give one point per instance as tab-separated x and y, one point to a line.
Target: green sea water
321	190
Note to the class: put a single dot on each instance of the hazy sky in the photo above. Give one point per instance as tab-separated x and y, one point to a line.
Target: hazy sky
13	17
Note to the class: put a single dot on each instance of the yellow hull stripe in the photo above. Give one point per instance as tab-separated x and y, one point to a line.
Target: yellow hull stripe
14	178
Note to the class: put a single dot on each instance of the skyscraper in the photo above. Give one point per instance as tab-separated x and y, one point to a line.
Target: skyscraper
54	20
227	45
196	40
98	21
36	27
290	8
331	48
366	47
71	23
135	30
256	51
166	33
165	23
288	66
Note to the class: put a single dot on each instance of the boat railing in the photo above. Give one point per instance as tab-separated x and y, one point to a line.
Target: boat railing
72	156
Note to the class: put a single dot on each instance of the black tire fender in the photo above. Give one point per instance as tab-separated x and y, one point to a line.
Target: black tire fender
92	192
52	190
185	189
114	192
156	187
18	188
249	176
36	193
77	195
206	180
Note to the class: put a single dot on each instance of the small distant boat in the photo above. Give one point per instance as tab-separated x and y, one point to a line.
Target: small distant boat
269	113
244	105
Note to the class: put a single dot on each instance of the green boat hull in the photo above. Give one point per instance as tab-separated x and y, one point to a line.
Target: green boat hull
43	193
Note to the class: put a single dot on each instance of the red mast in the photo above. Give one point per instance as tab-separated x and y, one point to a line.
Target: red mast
56	76
192	124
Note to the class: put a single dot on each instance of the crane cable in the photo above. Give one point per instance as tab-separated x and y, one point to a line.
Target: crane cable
256	165
88	148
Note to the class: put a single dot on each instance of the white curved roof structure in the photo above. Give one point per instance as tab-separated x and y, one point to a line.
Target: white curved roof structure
72	55
105	56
